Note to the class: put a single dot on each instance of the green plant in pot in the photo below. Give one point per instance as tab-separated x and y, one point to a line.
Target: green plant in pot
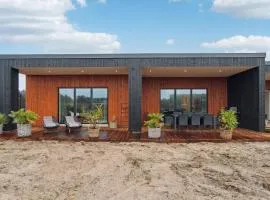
24	120
154	125
228	122
3	121
92	118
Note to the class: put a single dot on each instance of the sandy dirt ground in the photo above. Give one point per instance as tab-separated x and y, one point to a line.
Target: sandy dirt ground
79	170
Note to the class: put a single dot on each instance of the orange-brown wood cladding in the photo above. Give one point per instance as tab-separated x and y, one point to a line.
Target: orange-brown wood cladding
42	93
216	87
267	85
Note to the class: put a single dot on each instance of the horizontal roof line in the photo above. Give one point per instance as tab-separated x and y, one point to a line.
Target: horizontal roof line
139	55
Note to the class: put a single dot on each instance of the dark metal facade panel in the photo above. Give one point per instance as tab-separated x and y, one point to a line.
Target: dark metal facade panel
267	68
135	98
125	60
133	56
262	94
246	92
5	86
2	86
9	85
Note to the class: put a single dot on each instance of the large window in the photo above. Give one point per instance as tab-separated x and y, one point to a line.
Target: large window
75	101
167	100
199	100
66	103
183	100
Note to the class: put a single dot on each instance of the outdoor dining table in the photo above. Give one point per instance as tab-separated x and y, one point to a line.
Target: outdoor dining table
175	116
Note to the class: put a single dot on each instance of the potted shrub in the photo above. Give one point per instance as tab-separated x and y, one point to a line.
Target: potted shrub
3	121
92	119
113	122
228	122
24	120
154	125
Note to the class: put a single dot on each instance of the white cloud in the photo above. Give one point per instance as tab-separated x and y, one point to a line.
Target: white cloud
239	43
170	41
102	1
82	3
43	23
243	8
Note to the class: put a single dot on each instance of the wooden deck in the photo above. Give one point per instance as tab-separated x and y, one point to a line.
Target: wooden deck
122	135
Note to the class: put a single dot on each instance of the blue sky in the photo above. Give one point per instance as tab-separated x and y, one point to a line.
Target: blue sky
141	26
144	26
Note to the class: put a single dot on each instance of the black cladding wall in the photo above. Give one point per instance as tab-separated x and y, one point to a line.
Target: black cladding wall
245	92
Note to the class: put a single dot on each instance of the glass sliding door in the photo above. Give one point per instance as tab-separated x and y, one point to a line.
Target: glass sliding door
167	102
83	100
100	97
66	103
75	101
199	100
183	100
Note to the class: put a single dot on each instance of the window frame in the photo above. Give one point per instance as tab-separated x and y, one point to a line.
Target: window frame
75	99
191	95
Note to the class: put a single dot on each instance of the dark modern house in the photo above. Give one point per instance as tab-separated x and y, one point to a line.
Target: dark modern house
132	85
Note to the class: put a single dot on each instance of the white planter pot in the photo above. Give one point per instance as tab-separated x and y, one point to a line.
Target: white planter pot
154	132
24	130
226	134
1	129
113	125
93	132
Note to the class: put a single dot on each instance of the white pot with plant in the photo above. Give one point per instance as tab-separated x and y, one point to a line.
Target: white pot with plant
113	122
228	122
3	121
24	120
93	117
154	125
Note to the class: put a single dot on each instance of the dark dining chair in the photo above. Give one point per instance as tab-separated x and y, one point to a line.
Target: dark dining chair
196	119
168	121
208	120
183	120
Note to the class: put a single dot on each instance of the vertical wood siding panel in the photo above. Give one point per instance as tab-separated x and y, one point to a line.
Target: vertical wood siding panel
217	92
42	92
267	85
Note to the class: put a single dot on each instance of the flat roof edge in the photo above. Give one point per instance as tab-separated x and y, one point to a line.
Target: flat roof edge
135	55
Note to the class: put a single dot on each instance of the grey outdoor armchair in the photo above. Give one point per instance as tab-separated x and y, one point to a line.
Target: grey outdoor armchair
49	123
72	124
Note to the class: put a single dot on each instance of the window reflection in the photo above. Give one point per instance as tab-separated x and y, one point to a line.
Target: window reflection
100	97
183	100
199	103
66	103
85	100
167	102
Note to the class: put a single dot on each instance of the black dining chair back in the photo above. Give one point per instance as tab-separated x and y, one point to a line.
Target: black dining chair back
183	120
196	119
208	120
